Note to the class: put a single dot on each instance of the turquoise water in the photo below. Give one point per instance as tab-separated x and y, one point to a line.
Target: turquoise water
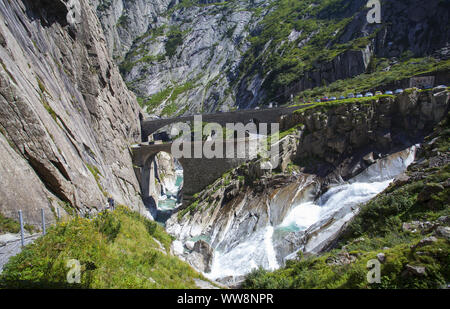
179	181
171	201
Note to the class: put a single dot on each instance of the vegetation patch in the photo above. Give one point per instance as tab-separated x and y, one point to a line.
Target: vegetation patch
174	39
8	225
120	249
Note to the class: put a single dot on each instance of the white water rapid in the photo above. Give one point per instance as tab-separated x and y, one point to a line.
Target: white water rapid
323	218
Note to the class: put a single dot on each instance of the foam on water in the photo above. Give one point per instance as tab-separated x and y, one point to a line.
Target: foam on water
338	202
256	251
169	201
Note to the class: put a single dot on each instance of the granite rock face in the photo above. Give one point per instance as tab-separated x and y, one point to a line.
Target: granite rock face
193	50
123	21
331	146
190	57
333	138
66	117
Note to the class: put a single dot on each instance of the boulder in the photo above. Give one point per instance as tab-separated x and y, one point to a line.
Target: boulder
368	158
443	231
425	242
381	257
411	270
428	190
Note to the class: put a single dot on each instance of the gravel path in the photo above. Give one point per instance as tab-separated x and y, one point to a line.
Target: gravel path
10	245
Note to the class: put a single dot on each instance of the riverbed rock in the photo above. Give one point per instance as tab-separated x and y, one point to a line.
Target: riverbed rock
425	242
189	245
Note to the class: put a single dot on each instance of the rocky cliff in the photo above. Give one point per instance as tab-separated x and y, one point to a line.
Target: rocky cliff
346	138
327	145
66	117
190	56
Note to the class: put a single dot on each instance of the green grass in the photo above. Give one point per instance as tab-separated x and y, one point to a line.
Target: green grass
8	225
377	78
116	250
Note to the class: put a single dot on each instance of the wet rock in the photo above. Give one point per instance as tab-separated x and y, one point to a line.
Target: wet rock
443	231
202	284
414	271
67	119
381	257
425	242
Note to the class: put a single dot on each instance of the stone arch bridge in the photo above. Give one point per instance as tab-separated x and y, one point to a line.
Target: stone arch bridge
269	115
198	172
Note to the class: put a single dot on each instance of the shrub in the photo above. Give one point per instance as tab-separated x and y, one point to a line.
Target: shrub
115	250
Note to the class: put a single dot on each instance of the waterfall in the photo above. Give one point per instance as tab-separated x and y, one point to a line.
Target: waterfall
168	198
321	219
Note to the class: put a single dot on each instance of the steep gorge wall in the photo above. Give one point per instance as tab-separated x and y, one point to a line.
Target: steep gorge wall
408	29
66	116
192	51
345	138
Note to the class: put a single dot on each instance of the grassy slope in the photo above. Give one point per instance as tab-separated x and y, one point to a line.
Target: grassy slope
116	250
378	228
379	77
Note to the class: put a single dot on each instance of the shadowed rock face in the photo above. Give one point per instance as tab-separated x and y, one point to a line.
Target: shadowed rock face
47	11
66	116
